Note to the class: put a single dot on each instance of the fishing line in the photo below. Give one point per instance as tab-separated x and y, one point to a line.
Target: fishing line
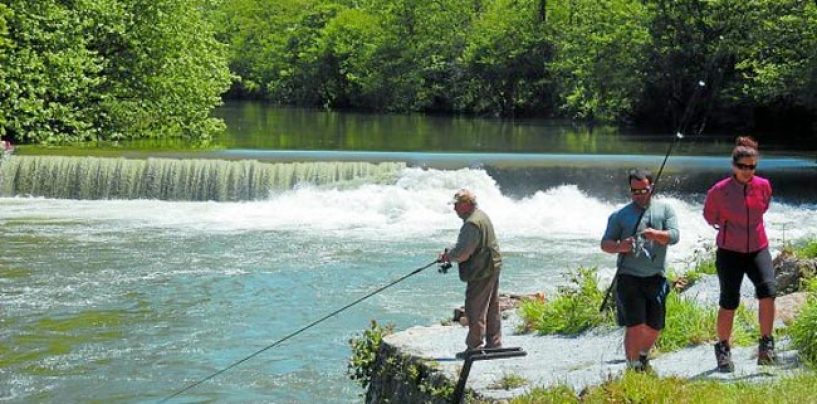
302	329
679	134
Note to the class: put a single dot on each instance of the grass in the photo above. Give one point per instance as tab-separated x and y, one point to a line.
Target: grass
509	381
807	250
702	263
574	310
646	388
688	323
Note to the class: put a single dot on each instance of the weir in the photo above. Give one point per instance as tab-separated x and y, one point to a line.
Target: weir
174	179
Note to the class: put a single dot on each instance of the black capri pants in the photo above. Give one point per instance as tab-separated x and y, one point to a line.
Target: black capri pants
756	265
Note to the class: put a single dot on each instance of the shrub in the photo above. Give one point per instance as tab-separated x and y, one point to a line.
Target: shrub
364	352
574	310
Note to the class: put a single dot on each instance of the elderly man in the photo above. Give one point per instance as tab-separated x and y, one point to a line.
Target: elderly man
480	262
642	250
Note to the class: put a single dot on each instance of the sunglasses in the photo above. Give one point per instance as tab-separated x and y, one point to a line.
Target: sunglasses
642	191
742	166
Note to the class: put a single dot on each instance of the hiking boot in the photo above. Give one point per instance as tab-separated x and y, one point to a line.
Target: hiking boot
645	363
765	351
635	366
723	355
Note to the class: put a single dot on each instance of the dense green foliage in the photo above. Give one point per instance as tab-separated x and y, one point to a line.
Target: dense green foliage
108	70
622	60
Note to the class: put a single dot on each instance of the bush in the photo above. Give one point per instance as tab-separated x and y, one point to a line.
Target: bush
574	310
364	352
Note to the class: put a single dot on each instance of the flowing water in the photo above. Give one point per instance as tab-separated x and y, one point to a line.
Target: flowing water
126	280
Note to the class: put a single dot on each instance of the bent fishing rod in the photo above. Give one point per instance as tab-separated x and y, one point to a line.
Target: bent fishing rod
679	135
302	329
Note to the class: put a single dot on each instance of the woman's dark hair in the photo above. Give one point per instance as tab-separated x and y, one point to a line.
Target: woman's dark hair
745	146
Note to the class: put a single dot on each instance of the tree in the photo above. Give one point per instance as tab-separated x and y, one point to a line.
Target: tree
108	69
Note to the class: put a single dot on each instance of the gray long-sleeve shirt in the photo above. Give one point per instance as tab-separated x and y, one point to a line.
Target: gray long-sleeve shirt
467	243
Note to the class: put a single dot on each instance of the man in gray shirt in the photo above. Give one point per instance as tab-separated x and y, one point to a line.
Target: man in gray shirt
641	286
477	253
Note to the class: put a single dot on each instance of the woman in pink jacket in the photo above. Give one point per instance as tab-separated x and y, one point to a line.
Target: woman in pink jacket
735	207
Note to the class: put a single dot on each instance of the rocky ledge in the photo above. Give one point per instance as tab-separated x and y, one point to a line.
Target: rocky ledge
418	365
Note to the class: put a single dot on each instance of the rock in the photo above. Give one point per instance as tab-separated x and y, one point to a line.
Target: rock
419	360
506	302
790	270
788	307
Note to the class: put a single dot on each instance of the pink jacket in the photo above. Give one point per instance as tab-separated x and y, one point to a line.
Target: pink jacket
737	212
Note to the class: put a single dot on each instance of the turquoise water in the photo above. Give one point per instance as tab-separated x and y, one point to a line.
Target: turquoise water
131	300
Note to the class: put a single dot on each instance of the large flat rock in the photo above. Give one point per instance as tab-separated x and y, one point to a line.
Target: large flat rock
578	362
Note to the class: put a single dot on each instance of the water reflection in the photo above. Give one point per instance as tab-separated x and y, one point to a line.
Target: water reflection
254	125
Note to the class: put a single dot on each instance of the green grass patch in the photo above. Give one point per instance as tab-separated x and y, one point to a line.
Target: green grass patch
803	330
701	264
634	387
808	250
509	381
689	323
574	309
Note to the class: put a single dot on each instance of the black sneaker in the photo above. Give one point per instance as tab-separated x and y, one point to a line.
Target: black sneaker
765	351
723	355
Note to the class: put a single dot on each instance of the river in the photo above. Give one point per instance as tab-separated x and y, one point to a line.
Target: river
126	280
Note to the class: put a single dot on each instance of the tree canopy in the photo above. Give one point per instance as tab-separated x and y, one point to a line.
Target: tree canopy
611	60
81	70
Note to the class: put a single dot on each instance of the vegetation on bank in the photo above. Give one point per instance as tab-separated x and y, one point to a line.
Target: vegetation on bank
575	309
687	323
108	70
622	60
634	387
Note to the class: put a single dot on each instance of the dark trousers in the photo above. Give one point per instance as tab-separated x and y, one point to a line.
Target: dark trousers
482	310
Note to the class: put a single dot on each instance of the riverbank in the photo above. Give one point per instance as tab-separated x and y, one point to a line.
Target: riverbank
579	367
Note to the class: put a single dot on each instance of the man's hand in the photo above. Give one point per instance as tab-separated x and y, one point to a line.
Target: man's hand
618	246
659	236
626	246
443	257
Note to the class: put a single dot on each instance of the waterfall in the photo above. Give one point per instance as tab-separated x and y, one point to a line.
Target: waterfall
173	179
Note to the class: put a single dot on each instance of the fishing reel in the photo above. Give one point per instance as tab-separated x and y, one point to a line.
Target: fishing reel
444	267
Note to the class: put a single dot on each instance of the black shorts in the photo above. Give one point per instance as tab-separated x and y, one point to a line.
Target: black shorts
756	265
641	300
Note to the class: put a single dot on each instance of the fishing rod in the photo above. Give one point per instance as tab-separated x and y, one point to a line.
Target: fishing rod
679	135
302	329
